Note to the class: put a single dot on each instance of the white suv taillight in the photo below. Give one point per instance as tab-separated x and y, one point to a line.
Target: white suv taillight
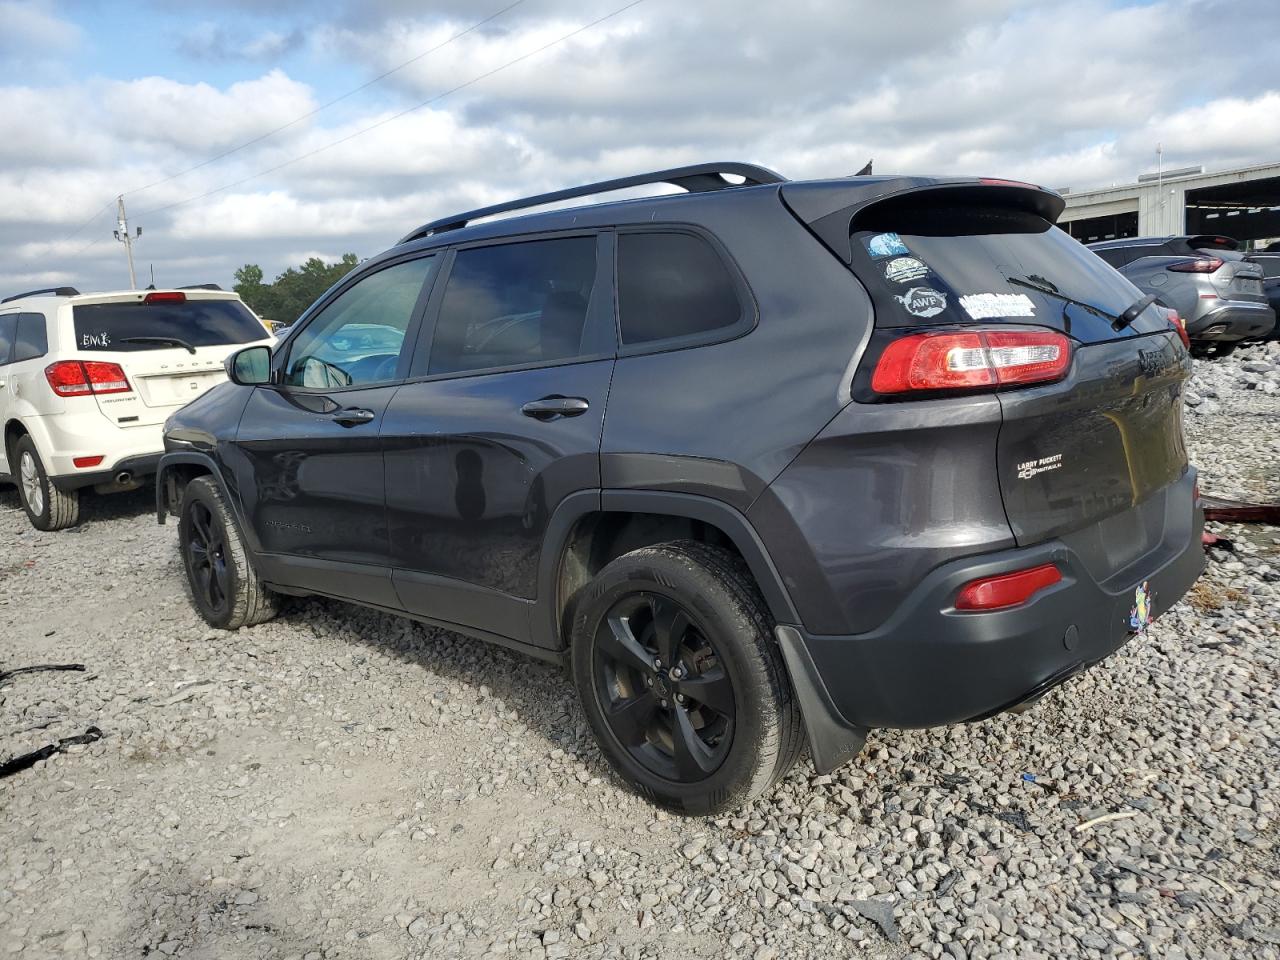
77	378
971	359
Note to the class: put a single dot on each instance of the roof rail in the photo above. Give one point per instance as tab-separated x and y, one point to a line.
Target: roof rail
699	178
52	291
201	286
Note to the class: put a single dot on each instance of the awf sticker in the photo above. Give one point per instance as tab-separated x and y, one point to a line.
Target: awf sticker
1140	615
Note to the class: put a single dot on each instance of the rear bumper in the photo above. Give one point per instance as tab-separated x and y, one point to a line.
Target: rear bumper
1233	320
137	467
931	664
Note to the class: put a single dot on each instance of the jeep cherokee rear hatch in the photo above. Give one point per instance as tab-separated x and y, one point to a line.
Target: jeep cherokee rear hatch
975	289
144	354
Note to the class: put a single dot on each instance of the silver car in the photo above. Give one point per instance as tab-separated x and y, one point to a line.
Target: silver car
1215	289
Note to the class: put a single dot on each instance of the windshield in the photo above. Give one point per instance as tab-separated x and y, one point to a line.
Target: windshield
200	323
927	264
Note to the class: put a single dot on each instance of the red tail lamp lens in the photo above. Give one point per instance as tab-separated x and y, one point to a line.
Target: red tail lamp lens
971	359
75	378
1006	590
167	296
87	461
1180	326
1203	265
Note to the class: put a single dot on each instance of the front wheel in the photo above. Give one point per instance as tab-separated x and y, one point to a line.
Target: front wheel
48	508
681	679
225	588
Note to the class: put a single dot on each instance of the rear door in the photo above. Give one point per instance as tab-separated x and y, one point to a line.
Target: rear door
138	333
310	457
1073	453
499	422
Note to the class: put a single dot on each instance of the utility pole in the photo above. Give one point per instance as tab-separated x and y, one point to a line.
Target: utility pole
122	234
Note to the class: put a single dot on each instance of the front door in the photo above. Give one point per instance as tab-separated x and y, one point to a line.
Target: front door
499	422
311	469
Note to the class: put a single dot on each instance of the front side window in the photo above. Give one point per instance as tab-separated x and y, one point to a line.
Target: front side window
672	285
32	340
359	338
514	304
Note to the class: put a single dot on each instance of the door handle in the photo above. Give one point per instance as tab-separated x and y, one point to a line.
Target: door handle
353	416
548	408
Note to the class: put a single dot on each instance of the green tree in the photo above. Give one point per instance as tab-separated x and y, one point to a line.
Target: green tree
284	300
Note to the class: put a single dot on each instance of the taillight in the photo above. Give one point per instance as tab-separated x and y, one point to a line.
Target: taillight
971	359
1203	265
1179	325
1006	590
167	296
75	378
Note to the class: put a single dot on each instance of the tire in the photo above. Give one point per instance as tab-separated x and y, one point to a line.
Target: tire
691	756
221	580
48	508
1212	349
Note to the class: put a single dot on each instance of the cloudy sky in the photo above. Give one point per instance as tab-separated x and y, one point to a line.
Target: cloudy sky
265	131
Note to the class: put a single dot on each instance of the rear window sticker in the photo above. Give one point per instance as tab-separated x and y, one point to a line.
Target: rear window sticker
904	270
95	339
885	245
923	301
982	306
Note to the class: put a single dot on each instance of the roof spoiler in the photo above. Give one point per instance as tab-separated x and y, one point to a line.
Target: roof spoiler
828	207
51	291
699	178
201	286
1213	241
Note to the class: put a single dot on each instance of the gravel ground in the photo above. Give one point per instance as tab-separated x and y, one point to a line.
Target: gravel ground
340	783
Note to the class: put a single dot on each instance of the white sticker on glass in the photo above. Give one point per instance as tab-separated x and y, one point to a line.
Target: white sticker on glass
981	306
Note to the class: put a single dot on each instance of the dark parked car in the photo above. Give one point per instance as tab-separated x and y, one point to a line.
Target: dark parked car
1270	264
1216	289
766	462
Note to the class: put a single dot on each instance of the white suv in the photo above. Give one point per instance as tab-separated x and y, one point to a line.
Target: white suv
87	381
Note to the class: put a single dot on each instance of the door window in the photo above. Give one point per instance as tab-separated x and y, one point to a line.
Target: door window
8	330
32	340
514	304
673	285
359	338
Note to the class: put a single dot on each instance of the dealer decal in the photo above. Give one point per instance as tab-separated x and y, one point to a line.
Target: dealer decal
982	306
904	270
1031	468
923	301
885	245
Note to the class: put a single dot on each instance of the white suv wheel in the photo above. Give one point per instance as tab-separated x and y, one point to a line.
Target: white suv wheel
32	487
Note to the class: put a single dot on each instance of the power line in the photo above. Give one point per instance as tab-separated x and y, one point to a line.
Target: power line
396	116
327	105
101	210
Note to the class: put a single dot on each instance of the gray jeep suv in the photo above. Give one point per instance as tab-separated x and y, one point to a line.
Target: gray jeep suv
1214	287
764	463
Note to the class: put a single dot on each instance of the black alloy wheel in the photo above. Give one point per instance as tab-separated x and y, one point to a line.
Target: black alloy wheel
663	688
206	550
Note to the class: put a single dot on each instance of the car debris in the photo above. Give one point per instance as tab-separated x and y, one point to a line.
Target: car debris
28	760
6	674
1238	511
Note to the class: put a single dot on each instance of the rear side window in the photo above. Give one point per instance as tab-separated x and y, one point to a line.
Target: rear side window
129	326
673	285
926	263
514	304
8	332
32	339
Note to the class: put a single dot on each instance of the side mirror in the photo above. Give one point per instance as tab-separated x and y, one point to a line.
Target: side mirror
250	367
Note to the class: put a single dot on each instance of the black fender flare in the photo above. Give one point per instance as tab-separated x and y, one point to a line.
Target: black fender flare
180	457
731	522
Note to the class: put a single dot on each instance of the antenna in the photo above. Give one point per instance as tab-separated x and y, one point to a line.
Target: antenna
121	233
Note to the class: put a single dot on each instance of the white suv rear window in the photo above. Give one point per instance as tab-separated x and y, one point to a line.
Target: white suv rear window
123	327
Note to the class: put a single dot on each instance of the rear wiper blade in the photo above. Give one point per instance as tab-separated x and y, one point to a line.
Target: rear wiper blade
1118	321
174	340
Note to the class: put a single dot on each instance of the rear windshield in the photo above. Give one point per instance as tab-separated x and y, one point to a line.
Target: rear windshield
928	264
118	327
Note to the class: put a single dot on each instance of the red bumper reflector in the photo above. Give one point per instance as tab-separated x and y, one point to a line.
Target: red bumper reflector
86	461
1006	590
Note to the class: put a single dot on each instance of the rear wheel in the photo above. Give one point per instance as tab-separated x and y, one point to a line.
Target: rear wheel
48	508
681	680
225	588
